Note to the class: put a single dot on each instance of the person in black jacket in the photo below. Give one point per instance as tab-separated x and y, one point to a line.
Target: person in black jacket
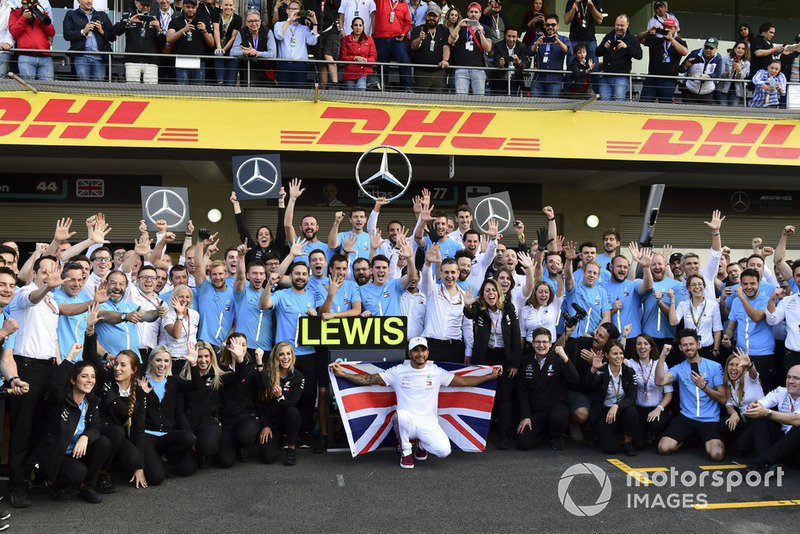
143	37
240	425
497	342
72	450
281	386
161	435
618	49
614	402
91	31
200	407
265	241
542	390
510	55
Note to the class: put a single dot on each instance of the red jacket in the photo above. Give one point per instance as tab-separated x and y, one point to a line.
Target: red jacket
352	48
402	18
27	35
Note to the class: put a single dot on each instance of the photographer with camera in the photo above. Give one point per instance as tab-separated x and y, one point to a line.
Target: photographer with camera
618	49
189	34
31	27
89	30
143	34
550	51
666	50
293	37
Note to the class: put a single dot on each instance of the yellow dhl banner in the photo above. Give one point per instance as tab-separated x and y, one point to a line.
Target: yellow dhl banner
79	120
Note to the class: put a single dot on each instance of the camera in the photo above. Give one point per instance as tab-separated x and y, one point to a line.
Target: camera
203	234
36	11
303	13
662	31
572	320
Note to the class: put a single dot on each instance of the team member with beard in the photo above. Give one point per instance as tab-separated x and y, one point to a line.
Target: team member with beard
215	300
264	242
381	296
289	305
309	227
655	322
430	53
625	295
252	321
361	272
117	331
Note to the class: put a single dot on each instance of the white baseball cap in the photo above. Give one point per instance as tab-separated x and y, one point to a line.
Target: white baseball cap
416	342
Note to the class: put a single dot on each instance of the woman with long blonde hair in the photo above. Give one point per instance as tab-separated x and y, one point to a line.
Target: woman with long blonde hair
282	385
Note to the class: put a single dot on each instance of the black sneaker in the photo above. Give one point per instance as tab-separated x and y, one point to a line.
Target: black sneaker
56	493
321	445
105	484
243	454
204	462
557	444
629	449
5	513
339	437
291	458
19	498
303	442
505	443
4	524
90	495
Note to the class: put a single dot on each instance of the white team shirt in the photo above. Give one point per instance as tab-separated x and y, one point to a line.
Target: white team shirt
37	337
788	309
417	390
780	399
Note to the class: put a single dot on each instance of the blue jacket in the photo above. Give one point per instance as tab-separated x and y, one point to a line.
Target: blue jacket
75	20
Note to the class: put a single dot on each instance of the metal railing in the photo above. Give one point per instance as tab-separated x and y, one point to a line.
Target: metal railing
247	65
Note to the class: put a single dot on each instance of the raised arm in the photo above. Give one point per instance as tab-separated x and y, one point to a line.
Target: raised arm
240	282
469	381
294	193
663	378
570	255
361	380
780	253
333	237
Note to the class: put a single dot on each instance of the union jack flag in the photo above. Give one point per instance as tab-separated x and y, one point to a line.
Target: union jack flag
464	412
90	187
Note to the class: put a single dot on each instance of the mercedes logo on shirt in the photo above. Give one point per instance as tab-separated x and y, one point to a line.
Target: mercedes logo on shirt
740	201
168	205
493	208
257	176
389	185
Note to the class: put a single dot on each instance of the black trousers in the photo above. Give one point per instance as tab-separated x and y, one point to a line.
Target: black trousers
73	471
26	412
286	421
308	365
446	350
176	445
606	434
656	427
503	406
766	370
743	434
123	454
772	445
241	434
207	438
552	420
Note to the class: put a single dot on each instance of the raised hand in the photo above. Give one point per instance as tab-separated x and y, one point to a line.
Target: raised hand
349	243
62	233
179	308
570	250
433	255
243	249
297	247
716	221
636	252
542	239
142	245
161	226
295	189
338	217
492	229
375	239
525	260
404	247
191	355
548	212
646	258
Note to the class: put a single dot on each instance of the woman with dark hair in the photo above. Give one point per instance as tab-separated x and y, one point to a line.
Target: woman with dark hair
72	450
651	400
698	313
497	342
161	436
240	425
200	407
281	386
614	400
265	240
358	46
745	34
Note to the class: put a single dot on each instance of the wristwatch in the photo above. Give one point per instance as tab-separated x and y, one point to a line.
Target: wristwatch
769	414
124	317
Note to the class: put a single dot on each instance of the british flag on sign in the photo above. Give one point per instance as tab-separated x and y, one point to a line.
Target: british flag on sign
464	412
90	187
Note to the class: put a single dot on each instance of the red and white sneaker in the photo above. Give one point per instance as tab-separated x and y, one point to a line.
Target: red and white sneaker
407	462
420	454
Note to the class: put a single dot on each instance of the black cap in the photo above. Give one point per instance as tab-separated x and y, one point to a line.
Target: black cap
613	331
675	256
